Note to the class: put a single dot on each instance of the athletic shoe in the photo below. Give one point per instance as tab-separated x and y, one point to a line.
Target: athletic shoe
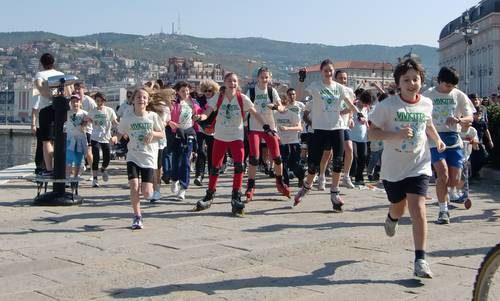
47	174
346	182
95	183
300	194
174	187
181	195
321	182
443	218
453	195
197	181
422	269
336	201
250	190
206	201
282	188
237	205
137	223
105	176
155	197
390	227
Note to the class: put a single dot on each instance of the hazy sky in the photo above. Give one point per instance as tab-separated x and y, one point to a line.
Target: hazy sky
384	22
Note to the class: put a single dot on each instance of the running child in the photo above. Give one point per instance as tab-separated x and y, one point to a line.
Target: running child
325	108
404	122
144	129
76	139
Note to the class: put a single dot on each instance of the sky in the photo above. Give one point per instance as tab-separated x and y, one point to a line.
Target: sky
330	22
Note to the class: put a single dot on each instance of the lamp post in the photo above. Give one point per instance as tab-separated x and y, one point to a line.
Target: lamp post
468	31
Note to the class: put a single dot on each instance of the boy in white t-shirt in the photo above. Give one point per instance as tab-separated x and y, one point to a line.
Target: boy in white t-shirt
403	122
76	140
451	107
144	129
289	126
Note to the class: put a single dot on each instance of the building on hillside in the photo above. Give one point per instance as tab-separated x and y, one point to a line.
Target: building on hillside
191	70
360	74
16	104
471	45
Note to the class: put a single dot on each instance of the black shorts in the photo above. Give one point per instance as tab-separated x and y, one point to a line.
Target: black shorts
396	191
325	140
88	139
347	135
46	121
133	171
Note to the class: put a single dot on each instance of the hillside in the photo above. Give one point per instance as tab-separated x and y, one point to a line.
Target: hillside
232	53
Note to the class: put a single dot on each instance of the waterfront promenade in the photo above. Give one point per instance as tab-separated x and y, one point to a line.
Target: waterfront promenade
274	253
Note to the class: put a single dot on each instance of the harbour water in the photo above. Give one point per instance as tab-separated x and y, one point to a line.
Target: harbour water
16	150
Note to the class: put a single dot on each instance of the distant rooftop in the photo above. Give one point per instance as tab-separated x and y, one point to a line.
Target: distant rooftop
476	12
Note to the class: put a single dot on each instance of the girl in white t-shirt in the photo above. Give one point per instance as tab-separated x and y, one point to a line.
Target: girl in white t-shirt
359	137
231	107
404	122
103	119
144	129
326	107
76	139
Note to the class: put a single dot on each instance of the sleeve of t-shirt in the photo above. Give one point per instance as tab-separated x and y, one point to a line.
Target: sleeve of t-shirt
247	103
92	103
112	114
38	76
465	107
276	96
378	116
123	126
157	124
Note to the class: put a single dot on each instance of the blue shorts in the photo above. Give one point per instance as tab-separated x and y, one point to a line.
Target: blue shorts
453	156
73	158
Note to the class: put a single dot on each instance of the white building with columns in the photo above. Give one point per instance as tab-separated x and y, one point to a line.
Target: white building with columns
471	45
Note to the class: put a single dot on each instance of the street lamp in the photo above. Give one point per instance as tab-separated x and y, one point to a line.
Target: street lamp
468	31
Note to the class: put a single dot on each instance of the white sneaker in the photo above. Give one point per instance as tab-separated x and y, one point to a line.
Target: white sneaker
181	195
453	195
174	187
155	197
422	269
346	182
321	182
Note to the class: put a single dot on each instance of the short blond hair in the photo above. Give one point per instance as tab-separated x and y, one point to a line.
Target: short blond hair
209	84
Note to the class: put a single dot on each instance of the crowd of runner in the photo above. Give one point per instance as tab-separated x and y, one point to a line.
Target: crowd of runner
325	129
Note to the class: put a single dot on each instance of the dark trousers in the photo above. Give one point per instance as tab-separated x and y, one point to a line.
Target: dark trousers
290	153
181	155
167	153
106	151
39	162
205	144
359	154
477	160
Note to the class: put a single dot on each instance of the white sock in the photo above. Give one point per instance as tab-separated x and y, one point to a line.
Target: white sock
443	206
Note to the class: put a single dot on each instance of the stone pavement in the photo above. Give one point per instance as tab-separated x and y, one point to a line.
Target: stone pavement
274	253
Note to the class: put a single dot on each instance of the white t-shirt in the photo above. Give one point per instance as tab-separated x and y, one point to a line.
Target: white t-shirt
229	122
453	104
44	75
327	104
88	104
346	117
410	157
102	121
124	109
73	123
136	127
261	103
470	136
290	117
359	133
185	116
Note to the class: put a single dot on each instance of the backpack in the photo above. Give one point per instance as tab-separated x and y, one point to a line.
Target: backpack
210	121
252	98
269	94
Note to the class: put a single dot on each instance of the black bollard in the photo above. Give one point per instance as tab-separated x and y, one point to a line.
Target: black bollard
59	196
